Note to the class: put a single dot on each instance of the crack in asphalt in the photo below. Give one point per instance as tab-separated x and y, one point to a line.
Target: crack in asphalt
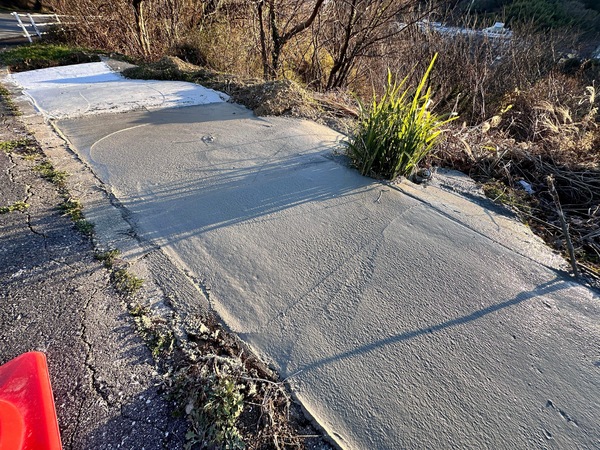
77	424
96	384
10	169
28	196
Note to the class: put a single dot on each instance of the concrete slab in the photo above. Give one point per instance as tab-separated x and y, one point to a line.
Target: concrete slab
94	88
398	324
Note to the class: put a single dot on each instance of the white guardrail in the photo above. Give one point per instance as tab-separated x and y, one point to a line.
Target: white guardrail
35	24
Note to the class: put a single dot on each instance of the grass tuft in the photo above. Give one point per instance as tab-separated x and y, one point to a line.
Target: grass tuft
16	206
39	56
126	283
25	147
154	330
8	101
107	258
47	171
72	208
85	227
395	133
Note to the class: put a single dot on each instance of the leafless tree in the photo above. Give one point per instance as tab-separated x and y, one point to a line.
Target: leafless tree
282	20
355	29
137	27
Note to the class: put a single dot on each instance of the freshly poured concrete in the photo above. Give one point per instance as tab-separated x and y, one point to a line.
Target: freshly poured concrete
403	317
397	324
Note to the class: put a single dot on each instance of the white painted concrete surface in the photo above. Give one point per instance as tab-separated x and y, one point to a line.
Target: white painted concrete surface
94	88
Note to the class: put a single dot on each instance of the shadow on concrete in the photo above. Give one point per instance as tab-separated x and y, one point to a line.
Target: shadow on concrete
547	288
224	196
89	79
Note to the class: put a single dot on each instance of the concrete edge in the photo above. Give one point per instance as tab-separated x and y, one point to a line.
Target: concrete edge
514	236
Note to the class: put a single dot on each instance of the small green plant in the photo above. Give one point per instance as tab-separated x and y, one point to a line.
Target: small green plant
126	283
212	401
85	227
47	171
16	206
396	132
11	146
25	147
8	101
74	209
154	330
107	258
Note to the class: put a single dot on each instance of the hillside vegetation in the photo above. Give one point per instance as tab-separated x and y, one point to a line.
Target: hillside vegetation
581	15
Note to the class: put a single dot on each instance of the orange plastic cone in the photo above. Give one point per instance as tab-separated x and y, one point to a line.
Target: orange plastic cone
27	413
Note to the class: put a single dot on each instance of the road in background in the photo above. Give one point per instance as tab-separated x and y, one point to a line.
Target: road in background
10	32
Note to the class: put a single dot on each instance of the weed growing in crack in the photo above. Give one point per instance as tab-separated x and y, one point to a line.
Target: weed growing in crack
74	209
154	330
85	227
107	258
8	101
24	146
16	206
125	283
47	171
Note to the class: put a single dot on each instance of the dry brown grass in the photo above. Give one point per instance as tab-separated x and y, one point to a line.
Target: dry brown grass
265	98
500	162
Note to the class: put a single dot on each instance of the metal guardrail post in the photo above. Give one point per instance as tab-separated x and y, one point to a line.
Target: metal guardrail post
34	25
27	35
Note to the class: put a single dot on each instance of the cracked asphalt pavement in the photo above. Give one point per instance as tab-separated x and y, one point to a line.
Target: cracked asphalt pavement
56	298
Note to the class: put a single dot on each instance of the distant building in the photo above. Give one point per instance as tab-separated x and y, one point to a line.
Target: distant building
498	31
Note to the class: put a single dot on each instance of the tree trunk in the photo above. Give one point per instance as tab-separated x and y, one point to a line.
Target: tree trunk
277	44
263	38
138	8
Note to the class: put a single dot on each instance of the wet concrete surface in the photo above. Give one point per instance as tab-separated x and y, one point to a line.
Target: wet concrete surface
402	317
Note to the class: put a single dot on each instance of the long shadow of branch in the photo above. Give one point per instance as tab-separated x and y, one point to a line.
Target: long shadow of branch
544	289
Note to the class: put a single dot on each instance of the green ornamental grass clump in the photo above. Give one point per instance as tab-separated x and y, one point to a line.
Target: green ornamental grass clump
396	132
